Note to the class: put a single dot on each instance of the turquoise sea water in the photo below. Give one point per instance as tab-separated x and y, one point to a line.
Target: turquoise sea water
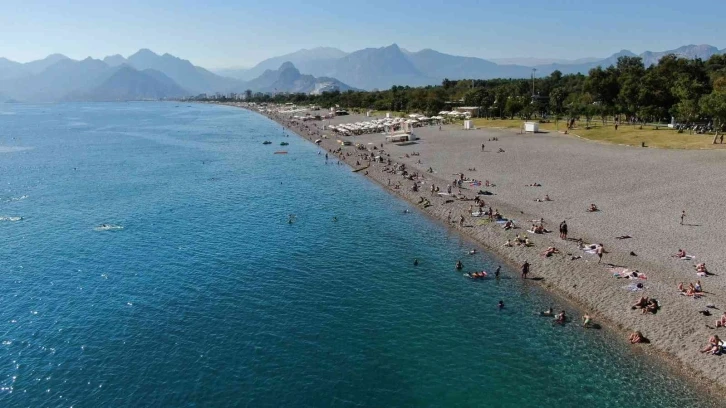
208	297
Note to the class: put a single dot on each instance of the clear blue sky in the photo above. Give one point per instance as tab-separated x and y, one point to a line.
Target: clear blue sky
216	33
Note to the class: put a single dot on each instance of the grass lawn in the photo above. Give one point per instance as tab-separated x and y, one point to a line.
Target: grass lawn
626	134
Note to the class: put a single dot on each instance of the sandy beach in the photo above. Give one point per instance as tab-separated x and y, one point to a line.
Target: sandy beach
640	193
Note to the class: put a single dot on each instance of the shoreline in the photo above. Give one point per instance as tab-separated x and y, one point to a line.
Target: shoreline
578	288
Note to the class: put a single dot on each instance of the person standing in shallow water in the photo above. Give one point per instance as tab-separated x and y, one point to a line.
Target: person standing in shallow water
496	273
525	269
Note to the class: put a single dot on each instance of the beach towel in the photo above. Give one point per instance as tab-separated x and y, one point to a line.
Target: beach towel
504	221
444	194
688	257
633	287
478	214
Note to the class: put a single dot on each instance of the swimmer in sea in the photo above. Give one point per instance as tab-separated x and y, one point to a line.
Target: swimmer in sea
459	265
561	318
335	219
496	273
548	312
500	305
415	262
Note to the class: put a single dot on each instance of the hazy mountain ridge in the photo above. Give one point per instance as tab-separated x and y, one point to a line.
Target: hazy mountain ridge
289	79
316	61
127	83
382	67
58	77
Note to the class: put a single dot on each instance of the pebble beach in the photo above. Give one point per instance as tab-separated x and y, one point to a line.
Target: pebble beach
640	193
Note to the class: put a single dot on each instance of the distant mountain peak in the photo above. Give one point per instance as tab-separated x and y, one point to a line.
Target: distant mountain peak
286	66
144	52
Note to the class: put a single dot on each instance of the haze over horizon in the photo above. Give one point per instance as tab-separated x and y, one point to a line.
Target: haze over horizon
225	34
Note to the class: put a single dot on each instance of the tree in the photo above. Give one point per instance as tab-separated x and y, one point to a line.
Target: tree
689	92
714	105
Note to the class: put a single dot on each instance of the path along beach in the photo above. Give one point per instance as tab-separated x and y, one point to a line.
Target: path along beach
640	193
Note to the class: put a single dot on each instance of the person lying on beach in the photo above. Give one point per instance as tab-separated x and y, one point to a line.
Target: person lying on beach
680	254
519	239
714	345
722	321
547	197
643	302
500	150
623	237
651	307
533	185
593	208
527	242
637	337
508	225
549	252
701	267
508	244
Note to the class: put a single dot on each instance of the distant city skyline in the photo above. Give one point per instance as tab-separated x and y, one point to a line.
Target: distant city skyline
219	34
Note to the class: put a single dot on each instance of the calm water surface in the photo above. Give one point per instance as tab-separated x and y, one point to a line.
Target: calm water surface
208	297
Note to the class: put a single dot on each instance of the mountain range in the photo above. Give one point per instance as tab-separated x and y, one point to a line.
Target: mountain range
383	67
143	75
147	75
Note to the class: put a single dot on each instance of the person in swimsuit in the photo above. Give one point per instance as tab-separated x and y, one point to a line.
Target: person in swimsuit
500	305
586	321
525	269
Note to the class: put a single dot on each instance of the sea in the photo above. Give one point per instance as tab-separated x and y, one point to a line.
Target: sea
157	254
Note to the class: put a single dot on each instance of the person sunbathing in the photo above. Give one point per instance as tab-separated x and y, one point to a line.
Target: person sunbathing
698	286
593	208
637	337
549	252
701	268
547	198
722	321
527	243
508	244
714	345
651	307
508	225
520	240
680	254
643	302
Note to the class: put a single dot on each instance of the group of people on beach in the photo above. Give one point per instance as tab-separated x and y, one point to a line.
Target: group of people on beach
646	304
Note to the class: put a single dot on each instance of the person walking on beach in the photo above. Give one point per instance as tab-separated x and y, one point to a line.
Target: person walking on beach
525	269
563	230
599	251
461	220
683	216
482	147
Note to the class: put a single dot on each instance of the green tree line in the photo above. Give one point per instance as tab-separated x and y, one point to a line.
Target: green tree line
691	90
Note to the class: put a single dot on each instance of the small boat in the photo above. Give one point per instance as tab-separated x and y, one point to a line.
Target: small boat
284	143
266	142
281	152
